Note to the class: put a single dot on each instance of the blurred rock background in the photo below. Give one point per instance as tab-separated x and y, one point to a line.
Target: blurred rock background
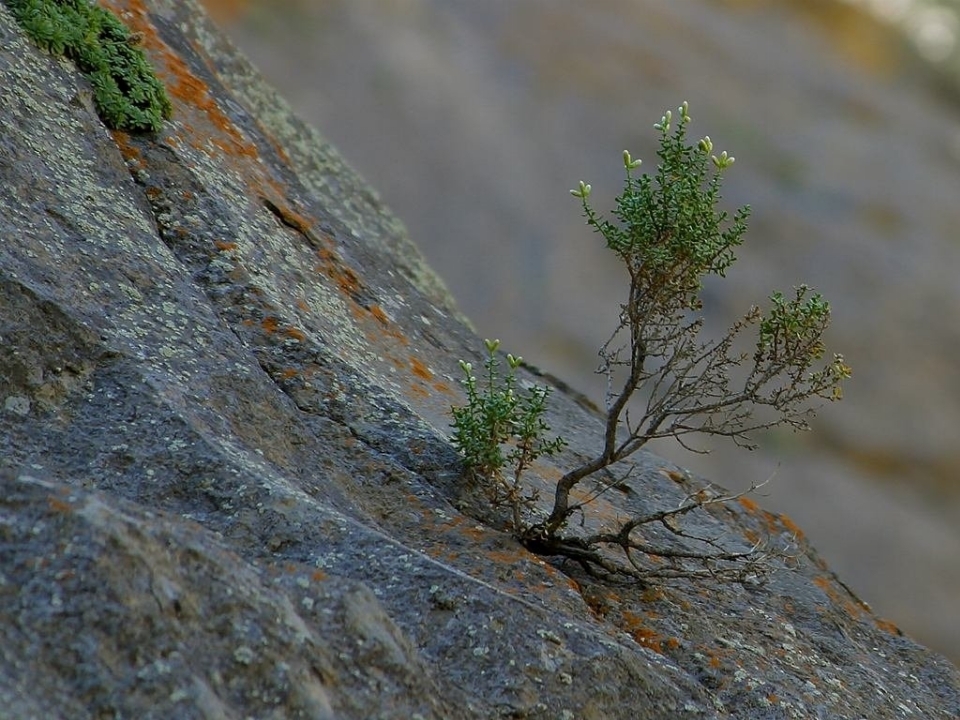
473	119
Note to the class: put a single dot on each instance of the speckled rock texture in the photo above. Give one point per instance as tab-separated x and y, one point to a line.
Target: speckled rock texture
227	489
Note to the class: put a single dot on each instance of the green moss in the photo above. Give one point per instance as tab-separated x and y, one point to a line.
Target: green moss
127	93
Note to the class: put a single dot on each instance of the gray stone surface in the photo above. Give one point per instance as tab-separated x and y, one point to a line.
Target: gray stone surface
227	489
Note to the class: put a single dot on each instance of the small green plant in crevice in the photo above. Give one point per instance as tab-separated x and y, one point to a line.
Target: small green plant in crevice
501	431
664	379
126	91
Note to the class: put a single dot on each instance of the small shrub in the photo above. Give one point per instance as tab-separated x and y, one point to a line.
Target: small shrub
664	379
501	430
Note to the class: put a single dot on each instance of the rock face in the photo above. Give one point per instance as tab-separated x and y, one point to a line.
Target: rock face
227	486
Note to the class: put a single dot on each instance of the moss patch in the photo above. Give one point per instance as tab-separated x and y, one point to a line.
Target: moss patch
127	93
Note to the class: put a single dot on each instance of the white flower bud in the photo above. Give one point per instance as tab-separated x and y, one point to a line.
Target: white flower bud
582	191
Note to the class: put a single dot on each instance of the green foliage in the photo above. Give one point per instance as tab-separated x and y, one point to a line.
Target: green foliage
664	379
126	91
669	234
502	427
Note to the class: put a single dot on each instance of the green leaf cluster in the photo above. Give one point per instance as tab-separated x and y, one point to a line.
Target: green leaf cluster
126	91
791	340
501	426
668	231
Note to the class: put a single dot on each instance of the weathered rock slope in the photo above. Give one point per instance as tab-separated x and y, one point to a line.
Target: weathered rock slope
227	489
846	149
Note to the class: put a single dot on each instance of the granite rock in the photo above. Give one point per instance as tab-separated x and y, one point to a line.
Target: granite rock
228	489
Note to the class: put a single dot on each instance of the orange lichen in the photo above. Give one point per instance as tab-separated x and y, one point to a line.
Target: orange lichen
131	154
318	576
224	245
376	333
652	594
888	626
473	532
677	477
287	215
597	607
852	606
223	11
58	505
416	446
436	551
581	495
332	266
420	370
272	325
774	522
790	526
603	602
506	557
419	391
192	92
379	314
351	285
749	504
646	636
442	387
452	523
